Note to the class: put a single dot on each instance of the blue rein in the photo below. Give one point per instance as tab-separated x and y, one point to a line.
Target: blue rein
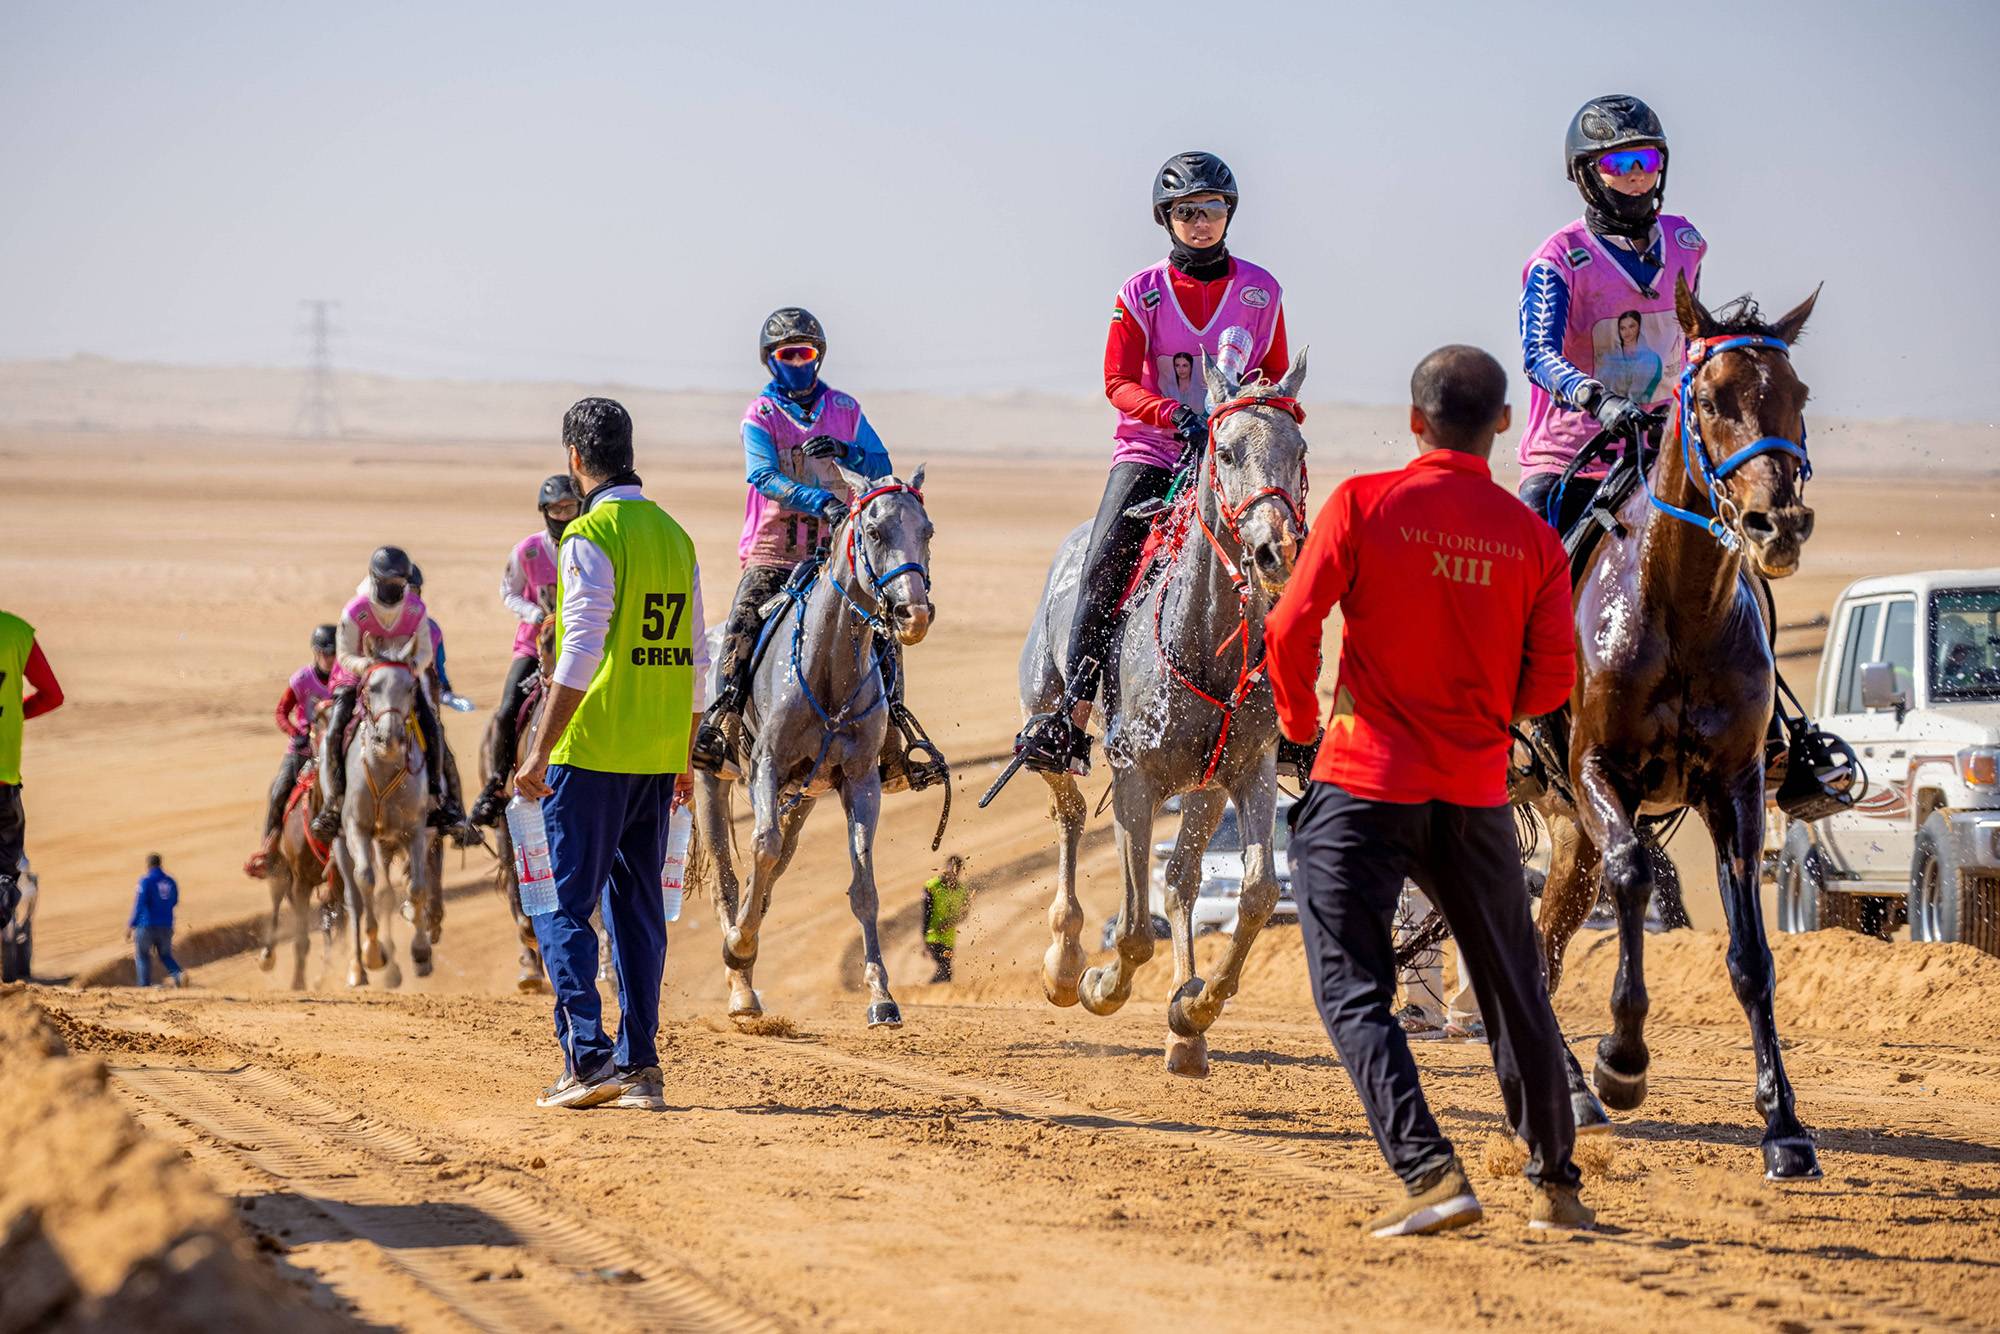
1696	454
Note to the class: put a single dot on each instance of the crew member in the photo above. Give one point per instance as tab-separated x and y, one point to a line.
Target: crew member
1181	306
610	759
21	664
305	691
946	901
1457	622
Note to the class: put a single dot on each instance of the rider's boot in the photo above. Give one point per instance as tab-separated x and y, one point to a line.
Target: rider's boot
1297	756
445	810
1052	742
491	804
327	823
714	748
260	860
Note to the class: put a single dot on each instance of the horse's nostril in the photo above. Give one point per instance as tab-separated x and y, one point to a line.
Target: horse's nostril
1805	525
1758	524
1267	557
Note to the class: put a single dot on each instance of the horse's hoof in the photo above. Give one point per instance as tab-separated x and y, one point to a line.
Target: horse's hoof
1059	992
409	912
748	1006
392	976
1620	1091
1179	1012
1791	1158
1061	966
1188	1057
373	957
884	1014
266	960
1092	996
356	978
530	983
423	966
1591	1118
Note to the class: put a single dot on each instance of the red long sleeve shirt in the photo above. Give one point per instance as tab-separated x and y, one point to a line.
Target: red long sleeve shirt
1125	348
48	693
1455	601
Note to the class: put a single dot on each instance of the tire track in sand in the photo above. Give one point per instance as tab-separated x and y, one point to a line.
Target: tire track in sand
381	1186
1618	1253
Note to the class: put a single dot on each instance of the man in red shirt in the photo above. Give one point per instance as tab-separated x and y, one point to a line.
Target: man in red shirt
1456	607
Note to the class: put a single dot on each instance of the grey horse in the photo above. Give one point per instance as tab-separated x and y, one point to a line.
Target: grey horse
816	720
382	821
1188	709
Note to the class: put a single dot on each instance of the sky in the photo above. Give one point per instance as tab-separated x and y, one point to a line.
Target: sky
620	192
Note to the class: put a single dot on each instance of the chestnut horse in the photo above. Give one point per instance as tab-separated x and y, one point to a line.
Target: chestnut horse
1675	683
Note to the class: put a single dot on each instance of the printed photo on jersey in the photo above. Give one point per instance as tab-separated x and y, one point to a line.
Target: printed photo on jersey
1180	380
1638	354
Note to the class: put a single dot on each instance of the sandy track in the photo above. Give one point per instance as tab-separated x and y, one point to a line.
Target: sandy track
998	1164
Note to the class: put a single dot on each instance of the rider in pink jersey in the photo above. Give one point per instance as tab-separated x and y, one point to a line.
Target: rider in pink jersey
528	588
305	691
385	621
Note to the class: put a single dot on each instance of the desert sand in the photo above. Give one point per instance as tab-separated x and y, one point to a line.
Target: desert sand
996	1164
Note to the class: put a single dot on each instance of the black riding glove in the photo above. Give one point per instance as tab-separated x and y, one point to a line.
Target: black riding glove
833	509
1190	428
1617	413
823	447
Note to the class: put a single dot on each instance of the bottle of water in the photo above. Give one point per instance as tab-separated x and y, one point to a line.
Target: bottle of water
673	871
1232	356
531	856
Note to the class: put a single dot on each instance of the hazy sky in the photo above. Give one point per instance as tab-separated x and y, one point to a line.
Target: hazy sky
621	192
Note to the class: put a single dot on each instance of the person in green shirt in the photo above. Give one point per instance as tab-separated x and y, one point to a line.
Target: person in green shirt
946	901
610	759
21	663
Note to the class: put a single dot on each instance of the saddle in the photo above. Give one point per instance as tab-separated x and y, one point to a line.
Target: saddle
301	787
1601	517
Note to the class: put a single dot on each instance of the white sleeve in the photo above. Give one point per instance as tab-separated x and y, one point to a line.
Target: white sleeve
347	647
423	649
589	591
698	626
514	590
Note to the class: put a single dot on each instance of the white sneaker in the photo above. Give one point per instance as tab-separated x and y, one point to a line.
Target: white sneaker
594	1091
645	1090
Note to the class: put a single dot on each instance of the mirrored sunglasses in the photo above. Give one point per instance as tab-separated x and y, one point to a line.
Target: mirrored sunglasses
1627	160
797	354
1213	210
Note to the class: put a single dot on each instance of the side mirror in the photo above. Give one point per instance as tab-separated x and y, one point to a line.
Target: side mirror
1879	690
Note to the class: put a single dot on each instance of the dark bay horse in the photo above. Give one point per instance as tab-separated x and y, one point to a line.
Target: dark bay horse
1675	683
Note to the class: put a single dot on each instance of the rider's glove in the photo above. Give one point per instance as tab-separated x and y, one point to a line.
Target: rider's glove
1190	428
1617	413
833	509
823	447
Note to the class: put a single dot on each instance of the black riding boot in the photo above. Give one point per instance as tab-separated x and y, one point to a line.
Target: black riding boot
445	812
714	746
1052	742
327	823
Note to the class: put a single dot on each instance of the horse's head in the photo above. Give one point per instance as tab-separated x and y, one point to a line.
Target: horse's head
1258	451
1736	400
389	696
887	537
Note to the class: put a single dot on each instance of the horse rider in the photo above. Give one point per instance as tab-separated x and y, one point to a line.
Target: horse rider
1180	306
794	432
1602	343
384	621
528	587
1457	622
438	684
446	697
21	664
305	690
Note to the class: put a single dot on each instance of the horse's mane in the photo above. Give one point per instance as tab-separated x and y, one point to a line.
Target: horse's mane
1741	317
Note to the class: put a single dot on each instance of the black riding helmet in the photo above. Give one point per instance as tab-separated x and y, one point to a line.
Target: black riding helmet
789	324
416	576
1602	125
556	489
390	570
323	639
1186	174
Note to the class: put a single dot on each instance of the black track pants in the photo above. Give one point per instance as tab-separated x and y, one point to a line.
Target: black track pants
1115	540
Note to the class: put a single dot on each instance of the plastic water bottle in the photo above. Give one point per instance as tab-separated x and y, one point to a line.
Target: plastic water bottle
531	856
673	871
1232	355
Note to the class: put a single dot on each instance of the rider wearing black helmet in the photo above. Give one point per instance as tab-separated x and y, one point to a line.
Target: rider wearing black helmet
386	620
1182	307
794	433
305	691
528	588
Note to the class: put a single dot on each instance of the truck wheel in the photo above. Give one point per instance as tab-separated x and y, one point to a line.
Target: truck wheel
1935	888
1801	882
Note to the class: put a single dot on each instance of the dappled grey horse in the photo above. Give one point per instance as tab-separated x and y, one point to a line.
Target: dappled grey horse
382	822
815	722
1187	705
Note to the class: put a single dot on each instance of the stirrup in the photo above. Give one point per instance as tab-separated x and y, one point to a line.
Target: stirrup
712	750
1823	776
327	823
1298	756
1052	743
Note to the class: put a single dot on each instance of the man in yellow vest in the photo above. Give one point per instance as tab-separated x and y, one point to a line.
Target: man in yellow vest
946	901
21	661
610	759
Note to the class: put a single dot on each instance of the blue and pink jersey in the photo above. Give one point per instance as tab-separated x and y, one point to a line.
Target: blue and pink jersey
781	513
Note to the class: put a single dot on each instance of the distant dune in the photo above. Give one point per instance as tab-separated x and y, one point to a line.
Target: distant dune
86	393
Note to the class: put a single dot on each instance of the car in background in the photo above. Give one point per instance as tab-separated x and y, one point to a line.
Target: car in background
1215	905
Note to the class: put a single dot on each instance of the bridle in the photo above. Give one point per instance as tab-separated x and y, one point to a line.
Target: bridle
1248	674
1721	523
372	721
858	562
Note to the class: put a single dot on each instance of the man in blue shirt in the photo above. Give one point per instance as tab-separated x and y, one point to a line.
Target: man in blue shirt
151	929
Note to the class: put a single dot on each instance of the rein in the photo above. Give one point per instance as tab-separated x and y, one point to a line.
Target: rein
1248	674
382	794
1720	523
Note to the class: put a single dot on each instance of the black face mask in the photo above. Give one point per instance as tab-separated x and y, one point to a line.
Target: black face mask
555	527
390	592
1609	212
1203	265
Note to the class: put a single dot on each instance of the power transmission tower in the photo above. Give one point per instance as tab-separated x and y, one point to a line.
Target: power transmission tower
319	412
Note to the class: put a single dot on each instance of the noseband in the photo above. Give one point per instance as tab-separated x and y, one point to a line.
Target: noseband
1695	453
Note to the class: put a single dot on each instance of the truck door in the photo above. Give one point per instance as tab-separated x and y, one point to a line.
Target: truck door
1854	839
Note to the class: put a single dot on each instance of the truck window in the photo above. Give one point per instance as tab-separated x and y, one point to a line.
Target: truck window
1965	643
1899	644
1855	649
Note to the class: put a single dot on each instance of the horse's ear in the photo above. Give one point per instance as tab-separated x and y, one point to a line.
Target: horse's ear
917	477
857	484
1693	317
1220	390
1295	377
1794	322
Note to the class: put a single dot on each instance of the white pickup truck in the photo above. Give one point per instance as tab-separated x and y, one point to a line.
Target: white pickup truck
1911	678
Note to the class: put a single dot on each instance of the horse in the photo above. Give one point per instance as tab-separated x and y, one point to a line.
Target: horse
532	976
816	719
1187	704
382	820
299	867
1675	687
